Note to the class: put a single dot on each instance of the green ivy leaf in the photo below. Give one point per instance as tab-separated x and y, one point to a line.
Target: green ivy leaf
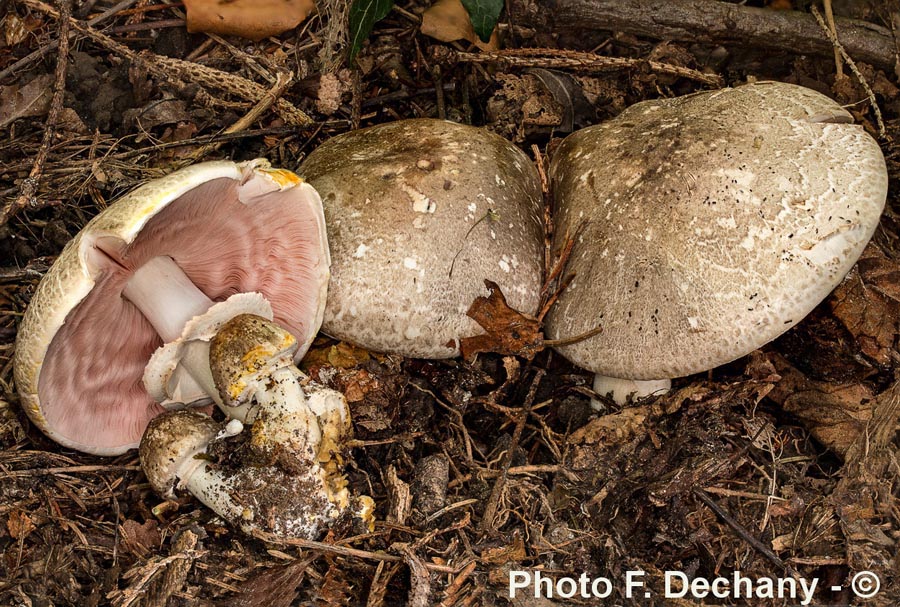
484	15
364	14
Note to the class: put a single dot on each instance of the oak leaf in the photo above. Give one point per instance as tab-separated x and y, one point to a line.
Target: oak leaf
448	21
252	19
507	331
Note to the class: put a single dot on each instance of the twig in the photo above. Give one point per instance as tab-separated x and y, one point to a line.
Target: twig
168	69
27	60
282	80
30	184
852	65
127	596
718	23
419	580
575	60
743	533
271	538
548	211
829	16
66	470
452	590
487	523
568	341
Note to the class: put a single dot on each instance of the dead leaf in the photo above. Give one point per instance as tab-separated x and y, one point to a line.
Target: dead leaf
373	397
140	539
340	356
19	524
834	413
399	497
275	587
16	29
448	21
158	112
867	303
252	19
26	100
507	331
576	109
501	555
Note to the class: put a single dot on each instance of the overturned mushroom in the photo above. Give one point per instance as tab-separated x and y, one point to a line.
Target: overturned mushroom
159	271
707	225
419	214
289	480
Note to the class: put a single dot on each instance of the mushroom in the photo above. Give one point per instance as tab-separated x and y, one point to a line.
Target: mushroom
420	212
173	454
160	270
289	481
707	225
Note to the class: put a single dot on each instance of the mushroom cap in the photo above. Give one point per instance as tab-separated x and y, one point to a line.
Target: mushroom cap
169	441
81	348
406	203
246	349
707	225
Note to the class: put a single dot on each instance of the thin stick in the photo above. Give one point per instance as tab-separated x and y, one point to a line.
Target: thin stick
342	550
168	69
829	17
488	523
27	60
30	184
282	80
743	533
852	65
577	60
568	341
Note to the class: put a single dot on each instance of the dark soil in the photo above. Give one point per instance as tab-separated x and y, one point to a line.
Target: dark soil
778	465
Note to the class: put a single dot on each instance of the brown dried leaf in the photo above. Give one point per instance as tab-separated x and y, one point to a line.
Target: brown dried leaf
867	303
19	524
253	19
501	555
507	331
448	20
335	590
373	397
343	356
25	100
834	413
16	29
577	111
140	539
275	587
399	497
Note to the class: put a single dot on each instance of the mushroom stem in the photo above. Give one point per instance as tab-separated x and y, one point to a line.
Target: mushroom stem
166	297
285	413
620	389
210	486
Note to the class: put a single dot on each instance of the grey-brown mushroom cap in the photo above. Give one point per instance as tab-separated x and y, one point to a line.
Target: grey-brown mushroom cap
707	225
419	213
169	440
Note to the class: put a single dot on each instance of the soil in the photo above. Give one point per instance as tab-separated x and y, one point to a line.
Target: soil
780	465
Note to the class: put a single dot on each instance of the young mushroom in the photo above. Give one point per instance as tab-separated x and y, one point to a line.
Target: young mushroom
123	317
419	213
706	226
290	481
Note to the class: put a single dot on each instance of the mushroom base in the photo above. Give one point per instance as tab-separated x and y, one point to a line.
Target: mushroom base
621	390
